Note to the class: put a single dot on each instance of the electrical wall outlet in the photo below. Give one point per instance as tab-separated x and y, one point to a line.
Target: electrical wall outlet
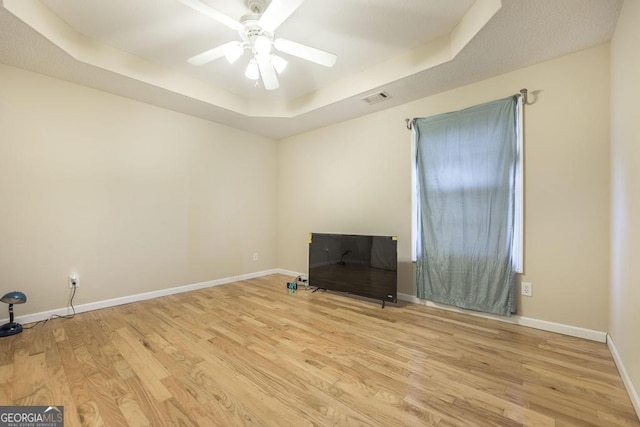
526	289
74	280
255	256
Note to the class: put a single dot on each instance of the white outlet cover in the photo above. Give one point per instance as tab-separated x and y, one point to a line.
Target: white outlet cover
74	278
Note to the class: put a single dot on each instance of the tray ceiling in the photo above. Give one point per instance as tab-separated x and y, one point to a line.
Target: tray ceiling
409	49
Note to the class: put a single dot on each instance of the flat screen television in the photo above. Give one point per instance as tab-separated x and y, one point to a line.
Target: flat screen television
366	266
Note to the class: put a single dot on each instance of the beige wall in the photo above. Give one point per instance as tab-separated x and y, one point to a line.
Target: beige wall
136	198
133	197
354	177
625	193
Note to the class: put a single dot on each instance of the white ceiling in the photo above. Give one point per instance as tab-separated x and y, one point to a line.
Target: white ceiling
408	48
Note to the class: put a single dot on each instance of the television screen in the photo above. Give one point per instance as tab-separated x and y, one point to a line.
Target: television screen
356	264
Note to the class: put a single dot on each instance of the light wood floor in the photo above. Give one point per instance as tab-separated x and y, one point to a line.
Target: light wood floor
249	353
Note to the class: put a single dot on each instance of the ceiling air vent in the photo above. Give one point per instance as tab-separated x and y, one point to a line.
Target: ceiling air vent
374	98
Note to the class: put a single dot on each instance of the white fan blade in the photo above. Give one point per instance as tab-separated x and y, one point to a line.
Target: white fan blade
306	52
213	13
277	12
211	54
268	74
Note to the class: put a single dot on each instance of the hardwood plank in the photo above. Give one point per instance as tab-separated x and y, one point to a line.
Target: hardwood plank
61	395
251	353
142	363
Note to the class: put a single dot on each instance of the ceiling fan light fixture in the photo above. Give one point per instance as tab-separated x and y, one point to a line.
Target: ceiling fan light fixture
233	51
278	63
262	45
252	71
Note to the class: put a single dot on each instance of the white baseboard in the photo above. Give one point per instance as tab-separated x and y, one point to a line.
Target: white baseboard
626	379
518	320
289	272
544	325
36	317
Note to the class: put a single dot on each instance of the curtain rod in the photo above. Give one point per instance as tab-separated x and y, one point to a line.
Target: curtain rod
523	94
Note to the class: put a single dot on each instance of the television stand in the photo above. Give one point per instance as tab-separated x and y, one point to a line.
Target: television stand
317	289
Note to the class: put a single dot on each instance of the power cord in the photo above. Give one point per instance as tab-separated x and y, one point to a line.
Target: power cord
57	316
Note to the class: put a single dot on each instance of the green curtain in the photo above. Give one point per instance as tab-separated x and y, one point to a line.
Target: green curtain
466	177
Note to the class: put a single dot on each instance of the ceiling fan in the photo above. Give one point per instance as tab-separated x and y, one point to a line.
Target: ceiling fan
256	30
